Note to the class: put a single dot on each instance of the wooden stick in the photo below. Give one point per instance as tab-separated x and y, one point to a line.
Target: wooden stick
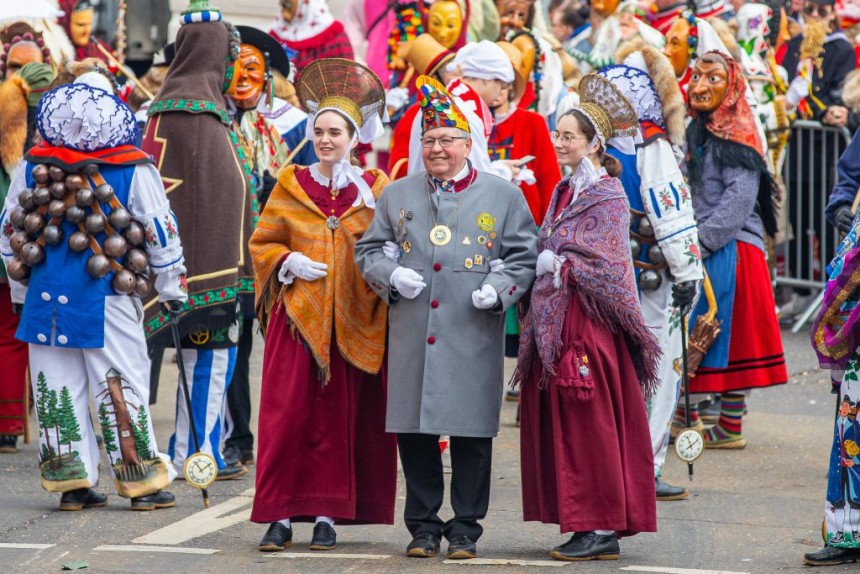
296	150
125	70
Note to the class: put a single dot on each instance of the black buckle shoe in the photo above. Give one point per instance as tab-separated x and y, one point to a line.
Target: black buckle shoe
8	444
324	537
82	498
830	556
588	546
277	538
423	545
160	499
234	455
461	547
232	471
666	492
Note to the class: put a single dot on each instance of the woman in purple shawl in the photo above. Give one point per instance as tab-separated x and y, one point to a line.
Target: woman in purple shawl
586	357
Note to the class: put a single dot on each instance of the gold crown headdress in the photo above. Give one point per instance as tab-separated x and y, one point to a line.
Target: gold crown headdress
606	107
347	87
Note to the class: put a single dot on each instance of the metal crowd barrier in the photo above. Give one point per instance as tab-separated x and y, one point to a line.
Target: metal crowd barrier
809	173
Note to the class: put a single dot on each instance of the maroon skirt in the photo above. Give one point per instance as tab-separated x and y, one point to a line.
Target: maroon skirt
323	449
586	452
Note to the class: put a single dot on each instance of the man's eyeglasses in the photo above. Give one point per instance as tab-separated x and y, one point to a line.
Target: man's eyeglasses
822	11
446	141
564	140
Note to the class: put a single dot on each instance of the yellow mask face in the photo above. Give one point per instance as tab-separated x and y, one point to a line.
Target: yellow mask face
444	22
81	27
677	48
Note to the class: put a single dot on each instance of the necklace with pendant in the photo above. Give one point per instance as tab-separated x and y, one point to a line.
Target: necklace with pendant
441	234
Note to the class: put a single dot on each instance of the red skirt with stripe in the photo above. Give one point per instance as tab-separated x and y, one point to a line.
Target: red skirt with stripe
755	351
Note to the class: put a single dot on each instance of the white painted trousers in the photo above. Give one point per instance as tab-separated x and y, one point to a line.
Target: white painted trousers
209	372
65	379
658	312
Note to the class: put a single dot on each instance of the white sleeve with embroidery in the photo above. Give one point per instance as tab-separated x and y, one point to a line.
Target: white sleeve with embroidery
148	204
17	185
670	209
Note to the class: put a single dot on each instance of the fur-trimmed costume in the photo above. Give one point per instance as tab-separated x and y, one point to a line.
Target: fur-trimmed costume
663	198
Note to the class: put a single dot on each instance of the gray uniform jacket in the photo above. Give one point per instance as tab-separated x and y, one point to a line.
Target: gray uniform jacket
445	357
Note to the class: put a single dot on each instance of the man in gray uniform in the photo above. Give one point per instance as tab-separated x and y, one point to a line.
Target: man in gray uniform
445	371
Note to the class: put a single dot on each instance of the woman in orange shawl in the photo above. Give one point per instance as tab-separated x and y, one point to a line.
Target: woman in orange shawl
323	456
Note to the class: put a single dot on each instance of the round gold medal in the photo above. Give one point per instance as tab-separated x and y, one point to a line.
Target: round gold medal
440	235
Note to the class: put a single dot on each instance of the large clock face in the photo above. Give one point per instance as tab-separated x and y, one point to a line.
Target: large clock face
689	445
200	470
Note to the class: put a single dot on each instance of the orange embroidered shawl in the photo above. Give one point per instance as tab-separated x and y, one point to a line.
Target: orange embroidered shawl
342	300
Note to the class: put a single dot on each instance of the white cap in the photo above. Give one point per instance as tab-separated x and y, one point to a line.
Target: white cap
96	80
484	60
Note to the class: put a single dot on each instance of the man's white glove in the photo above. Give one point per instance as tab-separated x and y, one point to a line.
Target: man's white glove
396	98
169	285
391	250
547	262
497	265
525	175
407	282
485	297
303	267
797	90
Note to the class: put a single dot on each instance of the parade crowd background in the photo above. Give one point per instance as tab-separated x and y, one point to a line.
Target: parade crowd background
735	211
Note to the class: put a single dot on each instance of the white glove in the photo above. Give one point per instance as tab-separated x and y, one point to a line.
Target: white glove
485	297
547	262
407	282
497	265
169	285
501	168
391	250
526	175
396	98
303	267
797	90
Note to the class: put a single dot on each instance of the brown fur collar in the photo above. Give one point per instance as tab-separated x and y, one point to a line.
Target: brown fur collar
13	121
663	76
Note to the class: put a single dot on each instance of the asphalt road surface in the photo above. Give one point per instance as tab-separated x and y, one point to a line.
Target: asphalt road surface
757	510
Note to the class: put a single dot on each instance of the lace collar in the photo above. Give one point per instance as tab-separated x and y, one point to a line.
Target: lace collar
318	176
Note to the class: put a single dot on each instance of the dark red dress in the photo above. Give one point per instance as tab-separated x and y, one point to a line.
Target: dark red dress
323	449
588	465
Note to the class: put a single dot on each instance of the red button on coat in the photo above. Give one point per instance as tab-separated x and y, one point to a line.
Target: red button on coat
437	267
431	340
434	303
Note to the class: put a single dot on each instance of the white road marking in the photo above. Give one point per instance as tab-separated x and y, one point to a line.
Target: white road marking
665	570
202	523
328	555
121	548
25	546
502	561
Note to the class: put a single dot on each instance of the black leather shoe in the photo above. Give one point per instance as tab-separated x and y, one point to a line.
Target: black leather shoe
160	499
423	545
588	546
8	444
324	538
234	454
512	395
461	547
82	498
232	471
830	556
277	538
666	492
